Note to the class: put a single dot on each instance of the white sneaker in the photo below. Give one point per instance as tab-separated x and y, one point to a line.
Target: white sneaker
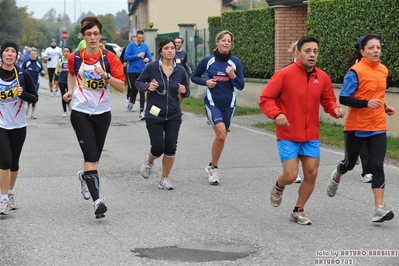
32	116
64	115
130	107
165	184
141	116
12	204
57	93
382	213
146	169
84	190
213	175
127	104
367	178
298	179
99	208
51	94
4	207
332	185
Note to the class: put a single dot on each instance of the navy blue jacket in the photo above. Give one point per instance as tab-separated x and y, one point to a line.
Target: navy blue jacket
165	96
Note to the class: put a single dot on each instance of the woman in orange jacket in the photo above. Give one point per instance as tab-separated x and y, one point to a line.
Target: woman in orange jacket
363	91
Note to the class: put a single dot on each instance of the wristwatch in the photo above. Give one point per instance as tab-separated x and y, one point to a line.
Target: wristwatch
108	76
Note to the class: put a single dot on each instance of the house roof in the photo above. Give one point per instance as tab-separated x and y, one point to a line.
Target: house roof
134	6
284	2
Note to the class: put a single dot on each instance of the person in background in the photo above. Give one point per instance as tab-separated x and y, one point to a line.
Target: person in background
103	40
16	86
297	129
363	90
26	53
125	63
62	71
163	80
293	50
137	55
51	56
82	43
92	71
223	73
181	58
34	68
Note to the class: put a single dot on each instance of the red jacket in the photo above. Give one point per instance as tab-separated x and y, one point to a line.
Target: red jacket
290	91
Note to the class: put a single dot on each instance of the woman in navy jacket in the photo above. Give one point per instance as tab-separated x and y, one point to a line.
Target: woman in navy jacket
163	80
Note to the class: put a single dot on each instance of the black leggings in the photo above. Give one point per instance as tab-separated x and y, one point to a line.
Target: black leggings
377	147
132	77
163	137
91	131
11	143
52	75
63	89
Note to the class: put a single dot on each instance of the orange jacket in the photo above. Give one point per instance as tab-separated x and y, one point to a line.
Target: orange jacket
372	84
290	91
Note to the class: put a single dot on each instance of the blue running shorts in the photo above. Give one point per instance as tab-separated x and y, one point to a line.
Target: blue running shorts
291	149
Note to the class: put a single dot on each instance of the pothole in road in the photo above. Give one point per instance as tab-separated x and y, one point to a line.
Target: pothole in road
207	253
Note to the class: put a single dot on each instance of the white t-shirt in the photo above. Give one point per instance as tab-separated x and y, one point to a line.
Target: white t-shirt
91	95
12	107
54	54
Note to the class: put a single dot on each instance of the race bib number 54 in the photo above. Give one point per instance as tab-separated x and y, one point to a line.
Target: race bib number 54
9	94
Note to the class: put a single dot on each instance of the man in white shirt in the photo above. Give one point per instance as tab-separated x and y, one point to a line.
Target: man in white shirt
51	56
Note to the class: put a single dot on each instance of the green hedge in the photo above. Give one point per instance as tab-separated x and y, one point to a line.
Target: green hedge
254	38
339	24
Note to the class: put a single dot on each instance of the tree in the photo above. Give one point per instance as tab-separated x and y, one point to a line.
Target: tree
109	26
121	19
50	15
11	20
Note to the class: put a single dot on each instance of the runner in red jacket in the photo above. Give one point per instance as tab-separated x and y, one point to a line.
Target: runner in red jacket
292	99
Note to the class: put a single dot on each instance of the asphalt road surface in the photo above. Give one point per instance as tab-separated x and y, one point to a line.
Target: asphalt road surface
195	224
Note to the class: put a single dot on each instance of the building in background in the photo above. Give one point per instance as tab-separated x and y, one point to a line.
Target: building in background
166	15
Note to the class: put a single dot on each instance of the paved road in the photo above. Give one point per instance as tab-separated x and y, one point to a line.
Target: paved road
196	224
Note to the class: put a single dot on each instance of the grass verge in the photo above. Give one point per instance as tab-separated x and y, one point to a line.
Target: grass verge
196	106
332	135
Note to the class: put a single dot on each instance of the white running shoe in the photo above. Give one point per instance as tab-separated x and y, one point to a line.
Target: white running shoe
32	116
146	169
57	93
298	179
12	204
99	208
382	213
4	207
51	94
64	115
130	107
165	184
213	175
84	190
141	116
367	178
